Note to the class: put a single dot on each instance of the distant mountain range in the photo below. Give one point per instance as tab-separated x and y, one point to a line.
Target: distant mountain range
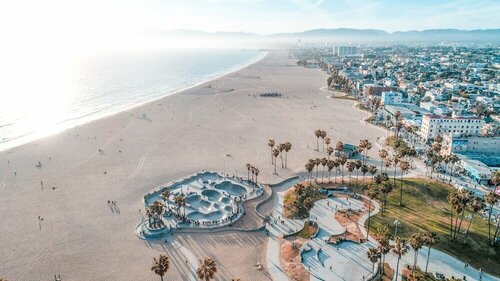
349	34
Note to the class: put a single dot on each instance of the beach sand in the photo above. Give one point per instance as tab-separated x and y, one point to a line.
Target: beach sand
82	238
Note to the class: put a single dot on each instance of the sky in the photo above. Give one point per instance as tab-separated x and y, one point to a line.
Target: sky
80	23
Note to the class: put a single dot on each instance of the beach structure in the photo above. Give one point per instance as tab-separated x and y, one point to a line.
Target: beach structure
204	200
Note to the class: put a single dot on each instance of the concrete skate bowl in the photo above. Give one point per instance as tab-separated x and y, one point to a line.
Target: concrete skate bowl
196	202
211	195
231	188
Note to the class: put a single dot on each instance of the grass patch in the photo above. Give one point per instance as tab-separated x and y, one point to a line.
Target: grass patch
396	144
309	230
388	273
298	206
344	98
426	209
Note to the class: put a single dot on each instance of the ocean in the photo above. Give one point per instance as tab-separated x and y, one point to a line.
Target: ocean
90	87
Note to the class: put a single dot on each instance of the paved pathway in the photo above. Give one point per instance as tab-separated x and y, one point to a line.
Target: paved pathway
277	230
346	261
442	263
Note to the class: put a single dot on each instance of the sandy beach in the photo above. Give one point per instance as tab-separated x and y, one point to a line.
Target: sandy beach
82	238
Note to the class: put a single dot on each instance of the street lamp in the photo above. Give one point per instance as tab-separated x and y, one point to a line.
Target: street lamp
396	223
225	156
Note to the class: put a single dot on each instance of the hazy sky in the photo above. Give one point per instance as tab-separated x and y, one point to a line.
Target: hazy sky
91	22
261	16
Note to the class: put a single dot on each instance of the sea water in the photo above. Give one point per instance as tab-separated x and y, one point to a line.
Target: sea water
55	96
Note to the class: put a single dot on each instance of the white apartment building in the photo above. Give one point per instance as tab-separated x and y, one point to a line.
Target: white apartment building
471	145
391	98
434	125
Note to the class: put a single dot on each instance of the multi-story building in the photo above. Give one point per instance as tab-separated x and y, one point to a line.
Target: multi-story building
484	149
434	125
464	145
391	98
412	114
343	51
376	90
477	170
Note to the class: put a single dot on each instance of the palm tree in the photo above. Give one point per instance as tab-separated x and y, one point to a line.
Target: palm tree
365	169
416	242
327	142
453	278
281	148
373	255
160	265
248	169
491	199
476	204
464	197
395	162
156	209
165	195
180	201
288	147
330	164
309	168
276	152
387	163
350	167
329	151
404	166
399	248
357	166
372	170
384	187
318	134
271	144
317	162
339	147
371	193
382	236
342	161
207	269
337	164
430	240
323	136
453	201
256	172
365	145
324	161
382	154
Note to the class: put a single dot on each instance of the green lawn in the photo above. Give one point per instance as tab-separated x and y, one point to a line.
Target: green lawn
345	98
426	209
310	228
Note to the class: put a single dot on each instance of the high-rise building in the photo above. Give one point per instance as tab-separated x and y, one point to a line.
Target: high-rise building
343	51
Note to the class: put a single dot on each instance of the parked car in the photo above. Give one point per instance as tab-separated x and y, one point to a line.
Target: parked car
439	276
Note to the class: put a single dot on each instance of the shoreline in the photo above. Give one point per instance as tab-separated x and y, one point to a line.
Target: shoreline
55	129
126	155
